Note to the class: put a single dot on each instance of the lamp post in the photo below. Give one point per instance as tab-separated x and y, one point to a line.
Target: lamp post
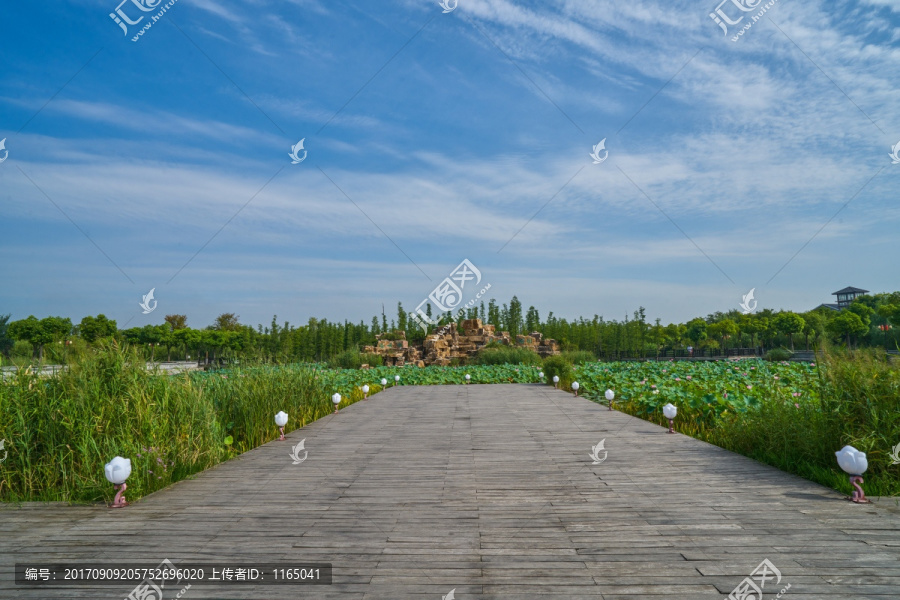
281	420
670	410
117	471
556	381
337	400
468	378
365	390
575	387
885	328
854	463
610	395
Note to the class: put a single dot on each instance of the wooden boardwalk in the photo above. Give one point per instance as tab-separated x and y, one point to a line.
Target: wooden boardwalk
488	491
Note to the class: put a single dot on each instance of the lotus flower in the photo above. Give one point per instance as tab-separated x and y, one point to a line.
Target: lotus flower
852	461
281	419
118	469
670	410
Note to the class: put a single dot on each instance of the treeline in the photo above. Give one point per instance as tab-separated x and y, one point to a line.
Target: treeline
868	321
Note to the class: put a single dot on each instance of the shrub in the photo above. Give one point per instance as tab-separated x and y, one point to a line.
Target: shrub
558	365
778	354
506	355
579	357
371	359
348	359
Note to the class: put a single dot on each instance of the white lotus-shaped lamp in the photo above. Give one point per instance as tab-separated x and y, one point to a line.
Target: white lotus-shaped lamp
854	463
575	387
670	411
396	379
541	375
555	380
610	396
468	378
365	390
117	471
281	419
383	382
336	398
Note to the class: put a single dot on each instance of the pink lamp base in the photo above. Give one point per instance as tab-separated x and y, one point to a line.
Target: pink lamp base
119	500
859	497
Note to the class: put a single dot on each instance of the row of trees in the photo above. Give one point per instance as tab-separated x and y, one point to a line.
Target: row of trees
867	321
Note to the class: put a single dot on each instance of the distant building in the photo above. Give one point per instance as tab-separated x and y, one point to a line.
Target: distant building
844	298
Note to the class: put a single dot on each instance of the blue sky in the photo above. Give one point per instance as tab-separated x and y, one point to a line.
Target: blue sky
433	138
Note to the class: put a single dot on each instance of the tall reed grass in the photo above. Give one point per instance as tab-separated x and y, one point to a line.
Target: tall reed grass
61	430
858	405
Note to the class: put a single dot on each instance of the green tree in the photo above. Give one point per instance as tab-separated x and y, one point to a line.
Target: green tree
401	317
532	320
676	333
659	335
40	332
847	323
754	325
696	330
789	323
515	320
890	315
864	311
814	324
493	314
188	339
176	322
92	329
6	342
227	322
723	330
